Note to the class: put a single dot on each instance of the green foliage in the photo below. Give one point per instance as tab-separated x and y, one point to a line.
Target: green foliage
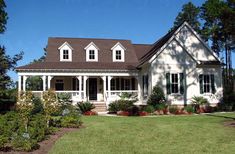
157	97
161	106
25	107
13	135
50	104
189	109
149	109
34	83
199	100
189	13
173	109
64	98
125	95
38	106
120	105
133	110
85	106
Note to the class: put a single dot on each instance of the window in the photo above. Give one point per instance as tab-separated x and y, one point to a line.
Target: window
175	83
65	54
118	55
59	85
145	85
207	84
127	84
91	54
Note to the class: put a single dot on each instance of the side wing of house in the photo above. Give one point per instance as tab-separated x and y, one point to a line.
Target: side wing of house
185	67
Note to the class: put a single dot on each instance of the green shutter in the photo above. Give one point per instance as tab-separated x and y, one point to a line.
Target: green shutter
212	83
201	83
168	83
182	81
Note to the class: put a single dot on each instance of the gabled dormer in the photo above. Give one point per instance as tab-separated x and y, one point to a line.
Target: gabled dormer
91	52
118	52
65	52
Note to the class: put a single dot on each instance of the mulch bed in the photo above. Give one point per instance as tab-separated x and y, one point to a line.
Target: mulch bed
230	123
47	144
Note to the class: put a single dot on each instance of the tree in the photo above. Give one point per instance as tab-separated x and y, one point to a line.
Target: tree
219	27
6	62
189	13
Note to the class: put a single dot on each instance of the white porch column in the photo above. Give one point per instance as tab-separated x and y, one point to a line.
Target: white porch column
138	78
84	86
44	82
49	81
109	86
104	87
24	82
80	86
19	83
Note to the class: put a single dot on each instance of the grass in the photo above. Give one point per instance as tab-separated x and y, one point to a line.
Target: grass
137	135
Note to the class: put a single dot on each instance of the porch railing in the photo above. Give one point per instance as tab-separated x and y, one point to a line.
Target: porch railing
74	95
115	94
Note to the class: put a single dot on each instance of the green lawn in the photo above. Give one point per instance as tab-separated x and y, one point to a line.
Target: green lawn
165	134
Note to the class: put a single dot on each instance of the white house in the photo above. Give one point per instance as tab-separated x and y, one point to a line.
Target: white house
98	70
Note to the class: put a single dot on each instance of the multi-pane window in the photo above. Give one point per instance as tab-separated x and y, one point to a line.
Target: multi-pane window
174	83
91	54
207	84
127	84
65	54
118	55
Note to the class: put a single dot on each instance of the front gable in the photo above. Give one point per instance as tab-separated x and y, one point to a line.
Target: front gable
194	45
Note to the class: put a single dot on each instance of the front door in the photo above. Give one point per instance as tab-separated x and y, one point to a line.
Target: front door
92	89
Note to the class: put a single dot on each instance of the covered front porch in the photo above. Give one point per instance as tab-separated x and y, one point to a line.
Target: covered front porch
84	87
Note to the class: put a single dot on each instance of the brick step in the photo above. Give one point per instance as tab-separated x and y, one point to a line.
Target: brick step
100	107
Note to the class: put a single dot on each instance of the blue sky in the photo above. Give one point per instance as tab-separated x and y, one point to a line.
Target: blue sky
31	22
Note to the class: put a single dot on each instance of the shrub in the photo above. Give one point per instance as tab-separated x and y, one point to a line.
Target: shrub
199	100
149	109
161	106
157	97
64	98
85	106
38	106
173	109
50	104
71	120
120	105
113	107
189	109
133	110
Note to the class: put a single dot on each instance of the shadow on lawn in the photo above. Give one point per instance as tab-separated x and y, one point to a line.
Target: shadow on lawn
221	116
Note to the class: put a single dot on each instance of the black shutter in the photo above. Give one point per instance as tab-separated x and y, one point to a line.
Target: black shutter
201	83
122	84
74	83
182	81
133	83
212	83
147	84
168	83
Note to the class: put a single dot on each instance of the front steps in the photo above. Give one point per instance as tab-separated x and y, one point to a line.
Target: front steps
99	107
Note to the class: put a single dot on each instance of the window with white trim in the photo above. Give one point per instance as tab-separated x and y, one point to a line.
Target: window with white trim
91	54
175	83
65	54
118	54
207	83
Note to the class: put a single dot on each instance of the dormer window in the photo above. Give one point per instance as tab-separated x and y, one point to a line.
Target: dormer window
118	52
91	52
65	52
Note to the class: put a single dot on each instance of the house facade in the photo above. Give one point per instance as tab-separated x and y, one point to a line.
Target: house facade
100	70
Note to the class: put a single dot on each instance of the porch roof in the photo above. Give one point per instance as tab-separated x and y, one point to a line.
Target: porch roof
78	65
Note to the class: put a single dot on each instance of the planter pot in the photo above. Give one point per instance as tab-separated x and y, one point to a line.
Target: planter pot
123	113
143	113
89	113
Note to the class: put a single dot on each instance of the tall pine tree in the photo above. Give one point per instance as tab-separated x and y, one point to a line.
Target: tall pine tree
189	13
6	62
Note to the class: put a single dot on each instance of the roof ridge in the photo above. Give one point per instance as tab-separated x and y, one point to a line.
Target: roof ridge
88	38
